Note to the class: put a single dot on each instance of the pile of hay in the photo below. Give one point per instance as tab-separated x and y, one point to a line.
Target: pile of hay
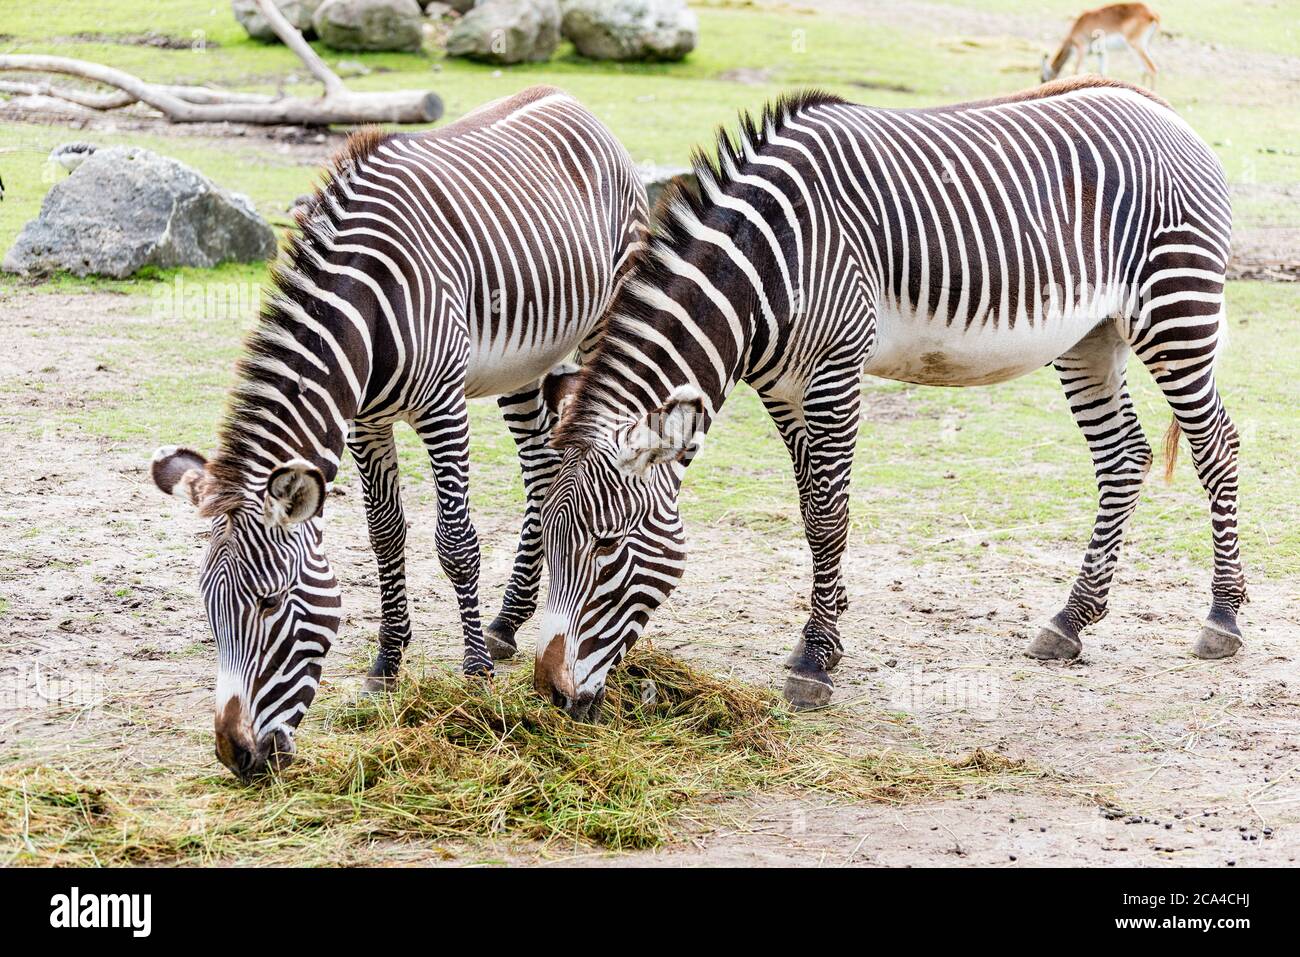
443	759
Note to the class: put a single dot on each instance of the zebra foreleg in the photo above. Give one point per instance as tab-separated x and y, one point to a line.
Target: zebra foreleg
1093	376
445	433
529	419
375	453
790	426
821	448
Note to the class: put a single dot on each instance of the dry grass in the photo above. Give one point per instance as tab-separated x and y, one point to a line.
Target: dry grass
442	760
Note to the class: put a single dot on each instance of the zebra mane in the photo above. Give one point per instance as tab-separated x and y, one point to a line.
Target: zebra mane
678	208
268	359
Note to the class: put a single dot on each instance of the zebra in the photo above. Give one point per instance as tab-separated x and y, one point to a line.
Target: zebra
952	246
430	268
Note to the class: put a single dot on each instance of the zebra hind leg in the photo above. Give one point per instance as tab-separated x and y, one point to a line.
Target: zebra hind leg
444	429
1093	376
1189	387
375	454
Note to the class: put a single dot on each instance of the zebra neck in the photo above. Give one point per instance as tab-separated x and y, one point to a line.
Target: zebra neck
694	313
301	382
308	419
674	335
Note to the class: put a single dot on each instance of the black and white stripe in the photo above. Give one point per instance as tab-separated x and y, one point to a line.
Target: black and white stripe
954	246
432	268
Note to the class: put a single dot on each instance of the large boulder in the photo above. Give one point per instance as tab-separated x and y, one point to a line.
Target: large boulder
507	31
297	12
126	208
631	29
369	24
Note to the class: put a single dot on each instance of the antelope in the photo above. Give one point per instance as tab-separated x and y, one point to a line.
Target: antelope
1095	32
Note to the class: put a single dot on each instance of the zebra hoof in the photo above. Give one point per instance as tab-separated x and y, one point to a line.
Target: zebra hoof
382	677
797	655
1215	643
378	685
1053	645
477	668
805	690
500	640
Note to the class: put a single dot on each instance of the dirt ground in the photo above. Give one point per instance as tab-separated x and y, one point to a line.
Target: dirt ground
1162	759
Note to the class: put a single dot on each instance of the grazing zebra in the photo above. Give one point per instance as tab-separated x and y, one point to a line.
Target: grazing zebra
431	268
954	246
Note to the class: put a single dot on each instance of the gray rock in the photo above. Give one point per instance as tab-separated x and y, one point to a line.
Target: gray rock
630	29
297	12
456	6
369	24
507	31
656	179
126	208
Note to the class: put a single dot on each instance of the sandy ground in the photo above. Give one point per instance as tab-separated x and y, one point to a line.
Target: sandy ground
1164	760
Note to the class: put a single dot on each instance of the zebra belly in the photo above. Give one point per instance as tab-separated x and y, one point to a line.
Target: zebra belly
498	371
926	352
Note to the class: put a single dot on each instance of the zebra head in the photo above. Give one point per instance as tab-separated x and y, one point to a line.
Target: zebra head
271	599
614	548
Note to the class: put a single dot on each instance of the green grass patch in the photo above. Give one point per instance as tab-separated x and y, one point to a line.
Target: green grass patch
939	471
659	111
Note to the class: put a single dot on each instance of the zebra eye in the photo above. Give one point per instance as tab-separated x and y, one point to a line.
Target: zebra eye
604	544
269	603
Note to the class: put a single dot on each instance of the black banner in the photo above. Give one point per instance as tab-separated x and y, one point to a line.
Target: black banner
138	907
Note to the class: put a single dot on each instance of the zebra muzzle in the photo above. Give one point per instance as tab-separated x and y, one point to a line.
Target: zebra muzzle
246	758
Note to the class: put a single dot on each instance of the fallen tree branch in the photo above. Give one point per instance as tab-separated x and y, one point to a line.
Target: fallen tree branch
191	104
401	106
295	41
87	98
119	99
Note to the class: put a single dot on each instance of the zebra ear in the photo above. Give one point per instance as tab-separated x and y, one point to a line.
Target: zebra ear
179	472
295	492
558	388
667	434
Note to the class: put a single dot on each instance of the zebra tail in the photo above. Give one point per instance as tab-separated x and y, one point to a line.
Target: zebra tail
1171	448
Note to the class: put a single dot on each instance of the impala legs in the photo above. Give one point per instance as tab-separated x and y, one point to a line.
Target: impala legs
1138	44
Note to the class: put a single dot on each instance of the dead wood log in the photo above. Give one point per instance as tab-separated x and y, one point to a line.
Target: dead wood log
205	105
